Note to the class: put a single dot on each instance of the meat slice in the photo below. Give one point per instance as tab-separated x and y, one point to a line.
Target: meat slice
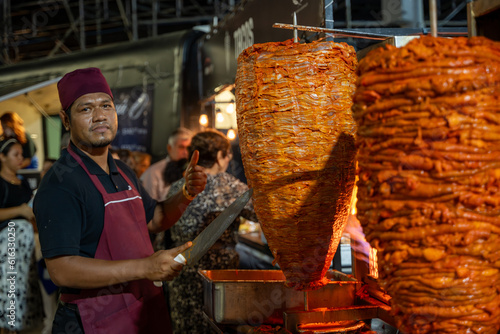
428	118
297	141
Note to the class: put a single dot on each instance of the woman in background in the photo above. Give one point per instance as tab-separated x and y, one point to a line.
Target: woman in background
18	276
13	127
127	157
186	291
142	162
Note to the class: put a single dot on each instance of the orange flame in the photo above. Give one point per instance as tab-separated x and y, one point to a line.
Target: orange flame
359	244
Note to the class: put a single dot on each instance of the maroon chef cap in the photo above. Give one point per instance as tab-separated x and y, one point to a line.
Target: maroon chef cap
80	82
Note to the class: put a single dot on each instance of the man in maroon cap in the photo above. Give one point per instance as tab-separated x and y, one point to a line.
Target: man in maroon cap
93	217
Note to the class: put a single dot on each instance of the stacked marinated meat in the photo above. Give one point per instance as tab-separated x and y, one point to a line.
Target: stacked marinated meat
428	119
297	141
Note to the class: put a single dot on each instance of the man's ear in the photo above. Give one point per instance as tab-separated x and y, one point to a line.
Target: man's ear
64	119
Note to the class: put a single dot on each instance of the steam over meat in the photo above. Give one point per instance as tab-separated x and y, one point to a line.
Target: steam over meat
428	119
297	142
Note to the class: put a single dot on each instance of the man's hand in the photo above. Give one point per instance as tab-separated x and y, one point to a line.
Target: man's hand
195	176
80	272
162	266
174	206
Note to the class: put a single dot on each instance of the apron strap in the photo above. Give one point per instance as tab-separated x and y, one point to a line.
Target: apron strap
93	177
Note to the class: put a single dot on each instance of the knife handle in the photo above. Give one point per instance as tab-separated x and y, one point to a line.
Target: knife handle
179	259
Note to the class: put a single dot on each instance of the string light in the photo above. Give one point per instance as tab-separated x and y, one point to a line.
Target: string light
219	117
230	108
203	120
231	134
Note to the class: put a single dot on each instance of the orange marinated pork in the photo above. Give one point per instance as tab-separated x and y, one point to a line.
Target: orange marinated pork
296	134
428	118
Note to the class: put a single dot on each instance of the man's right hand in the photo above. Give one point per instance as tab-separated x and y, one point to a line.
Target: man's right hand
163	267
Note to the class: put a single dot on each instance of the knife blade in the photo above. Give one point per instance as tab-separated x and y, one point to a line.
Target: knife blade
208	237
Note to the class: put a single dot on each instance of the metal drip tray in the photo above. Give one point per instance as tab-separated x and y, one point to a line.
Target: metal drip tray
257	297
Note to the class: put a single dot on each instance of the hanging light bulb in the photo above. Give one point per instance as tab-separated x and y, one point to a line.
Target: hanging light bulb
231	134
219	117
230	108
203	120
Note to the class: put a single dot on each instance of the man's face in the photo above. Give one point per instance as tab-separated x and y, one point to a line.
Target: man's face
93	122
180	149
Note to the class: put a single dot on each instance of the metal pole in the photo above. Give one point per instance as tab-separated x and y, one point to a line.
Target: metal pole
295	33
178	8
105	9
34	28
433	17
123	15
306	301
82	26
155	17
72	20
98	22
329	14
348	14
7	30
421	17
471	19
135	31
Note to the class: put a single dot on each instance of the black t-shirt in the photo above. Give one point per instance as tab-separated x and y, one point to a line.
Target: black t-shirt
69	209
12	195
29	148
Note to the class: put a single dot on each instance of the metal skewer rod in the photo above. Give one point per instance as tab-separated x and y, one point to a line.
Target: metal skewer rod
471	20
338	32
306	301
295	32
433	17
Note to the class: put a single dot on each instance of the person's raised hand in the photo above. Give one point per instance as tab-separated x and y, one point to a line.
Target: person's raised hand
195	176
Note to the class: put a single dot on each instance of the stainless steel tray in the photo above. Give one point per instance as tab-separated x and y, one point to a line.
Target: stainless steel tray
259	296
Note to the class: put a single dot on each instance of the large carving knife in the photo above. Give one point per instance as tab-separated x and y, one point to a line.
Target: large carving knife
208	237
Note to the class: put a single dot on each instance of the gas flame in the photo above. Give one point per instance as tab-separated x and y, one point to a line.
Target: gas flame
361	247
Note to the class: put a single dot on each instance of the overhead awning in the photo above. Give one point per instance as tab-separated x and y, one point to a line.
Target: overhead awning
41	96
29	89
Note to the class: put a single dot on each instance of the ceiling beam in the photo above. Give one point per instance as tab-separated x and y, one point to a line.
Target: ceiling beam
125	21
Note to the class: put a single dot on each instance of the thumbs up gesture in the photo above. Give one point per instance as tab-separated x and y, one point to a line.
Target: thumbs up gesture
195	177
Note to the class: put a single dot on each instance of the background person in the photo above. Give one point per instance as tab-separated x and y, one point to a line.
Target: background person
127	157
174	170
47	163
186	290
17	221
48	289
142	162
97	249
152	179
13	127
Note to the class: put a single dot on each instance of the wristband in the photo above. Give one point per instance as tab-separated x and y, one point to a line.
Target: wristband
186	193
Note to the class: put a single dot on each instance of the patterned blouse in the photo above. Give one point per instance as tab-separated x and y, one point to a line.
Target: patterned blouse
221	190
186	290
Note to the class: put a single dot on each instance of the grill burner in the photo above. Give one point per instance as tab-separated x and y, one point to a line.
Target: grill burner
255	297
344	327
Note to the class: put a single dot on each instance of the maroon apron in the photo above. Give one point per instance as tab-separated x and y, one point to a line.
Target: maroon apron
131	307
